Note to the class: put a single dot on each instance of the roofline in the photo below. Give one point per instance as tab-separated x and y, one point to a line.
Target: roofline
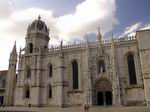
3	70
143	30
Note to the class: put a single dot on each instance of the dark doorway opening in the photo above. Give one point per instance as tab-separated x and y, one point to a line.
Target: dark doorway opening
108	98
100	99
104	98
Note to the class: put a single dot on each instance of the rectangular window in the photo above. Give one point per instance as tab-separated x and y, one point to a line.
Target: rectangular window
26	92
50	92
28	72
50	70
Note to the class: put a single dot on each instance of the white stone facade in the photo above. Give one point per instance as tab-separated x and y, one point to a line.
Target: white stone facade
102	69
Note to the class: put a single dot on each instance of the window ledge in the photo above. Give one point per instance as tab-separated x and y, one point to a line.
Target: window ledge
49	98
2	88
75	91
26	98
134	86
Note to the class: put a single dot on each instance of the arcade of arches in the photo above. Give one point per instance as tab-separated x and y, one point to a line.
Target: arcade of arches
103	92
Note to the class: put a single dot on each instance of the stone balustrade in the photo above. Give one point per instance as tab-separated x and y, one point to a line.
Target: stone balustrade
92	44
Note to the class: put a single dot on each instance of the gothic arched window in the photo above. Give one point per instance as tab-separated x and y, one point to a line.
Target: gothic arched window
101	66
75	74
27	92
50	70
131	69
50	92
28	72
30	48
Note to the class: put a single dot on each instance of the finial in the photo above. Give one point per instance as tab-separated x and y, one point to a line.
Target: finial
87	38
20	50
61	43
39	18
87	41
112	37
98	30
14	48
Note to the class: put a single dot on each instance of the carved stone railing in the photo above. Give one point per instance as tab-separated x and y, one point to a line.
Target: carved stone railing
93	44
125	38
65	47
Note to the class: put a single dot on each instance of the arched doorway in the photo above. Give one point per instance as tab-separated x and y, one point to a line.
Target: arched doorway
103	92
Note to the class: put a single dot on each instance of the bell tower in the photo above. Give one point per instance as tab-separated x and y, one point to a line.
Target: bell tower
37	37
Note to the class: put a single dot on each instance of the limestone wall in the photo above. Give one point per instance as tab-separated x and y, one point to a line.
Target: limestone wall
62	90
144	48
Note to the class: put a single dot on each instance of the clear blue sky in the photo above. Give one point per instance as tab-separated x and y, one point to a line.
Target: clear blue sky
132	11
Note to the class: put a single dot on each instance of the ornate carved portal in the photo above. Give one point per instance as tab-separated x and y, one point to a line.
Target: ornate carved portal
103	92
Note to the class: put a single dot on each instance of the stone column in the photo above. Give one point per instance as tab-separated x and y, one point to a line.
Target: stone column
60	83
115	82
88	92
37	88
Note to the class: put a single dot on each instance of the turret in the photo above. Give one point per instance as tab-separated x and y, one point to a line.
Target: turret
11	77
37	37
13	57
99	38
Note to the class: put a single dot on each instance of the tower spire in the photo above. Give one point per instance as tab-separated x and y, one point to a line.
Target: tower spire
11	77
99	30
99	38
14	51
39	17
99	33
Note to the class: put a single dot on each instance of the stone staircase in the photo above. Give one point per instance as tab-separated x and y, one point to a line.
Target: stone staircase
75	109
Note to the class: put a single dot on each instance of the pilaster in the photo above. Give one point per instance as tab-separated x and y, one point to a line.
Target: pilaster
88	92
115	81
60	83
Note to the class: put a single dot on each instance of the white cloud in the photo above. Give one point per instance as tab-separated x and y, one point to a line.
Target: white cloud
88	15
5	9
131	30
14	28
147	26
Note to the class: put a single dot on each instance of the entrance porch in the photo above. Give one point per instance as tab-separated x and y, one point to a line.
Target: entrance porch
102	95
